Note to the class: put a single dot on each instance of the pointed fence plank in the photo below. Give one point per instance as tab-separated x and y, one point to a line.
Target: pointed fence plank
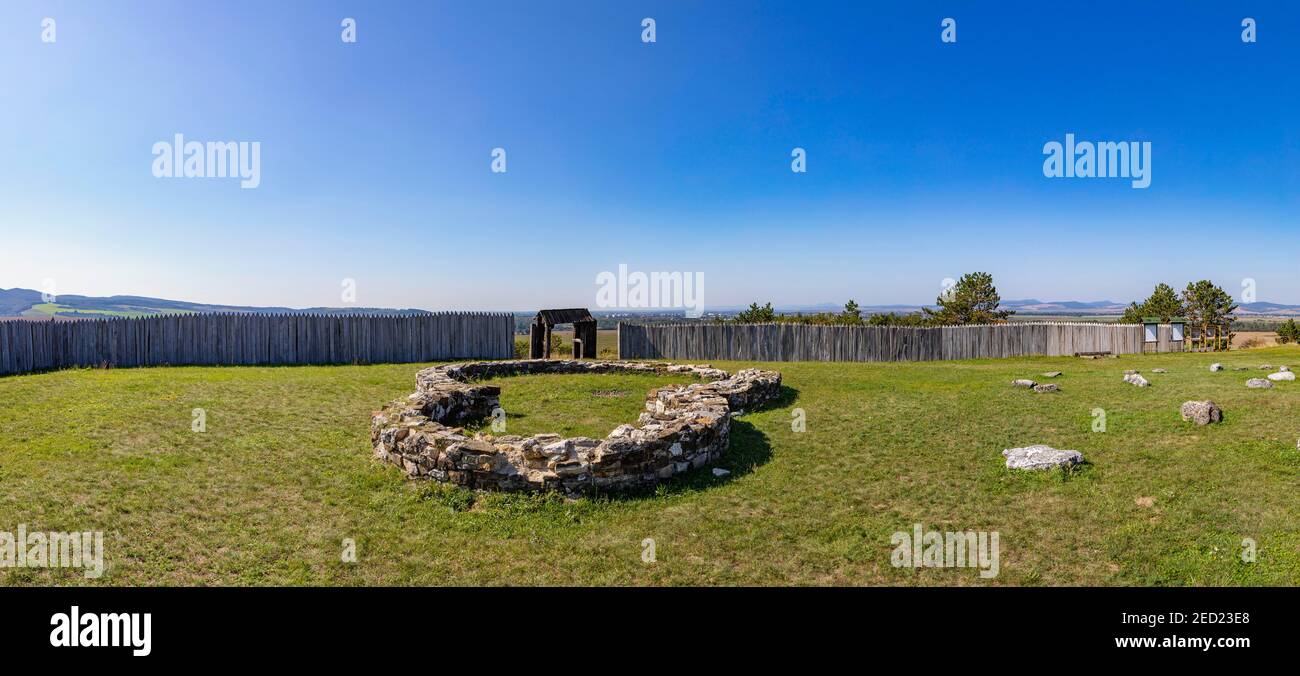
809	342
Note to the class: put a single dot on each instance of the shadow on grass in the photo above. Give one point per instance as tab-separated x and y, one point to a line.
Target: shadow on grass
747	449
1063	474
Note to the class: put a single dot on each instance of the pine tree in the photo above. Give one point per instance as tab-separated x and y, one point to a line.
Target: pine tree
974	300
852	314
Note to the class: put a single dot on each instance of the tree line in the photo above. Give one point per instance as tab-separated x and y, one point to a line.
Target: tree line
972	300
1205	306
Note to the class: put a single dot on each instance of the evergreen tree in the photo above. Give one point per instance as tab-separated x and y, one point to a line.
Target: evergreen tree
851	314
974	300
756	314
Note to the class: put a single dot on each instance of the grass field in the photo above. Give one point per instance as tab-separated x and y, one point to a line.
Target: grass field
56	309
284	473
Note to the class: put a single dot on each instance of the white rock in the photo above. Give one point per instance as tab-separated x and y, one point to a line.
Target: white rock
1137	379
718	471
1216	367
1040	456
1258	384
1281	375
558	449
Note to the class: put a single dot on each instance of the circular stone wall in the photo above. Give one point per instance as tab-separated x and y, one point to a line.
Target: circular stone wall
683	427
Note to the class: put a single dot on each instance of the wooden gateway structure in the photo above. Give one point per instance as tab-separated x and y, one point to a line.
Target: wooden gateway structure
584	332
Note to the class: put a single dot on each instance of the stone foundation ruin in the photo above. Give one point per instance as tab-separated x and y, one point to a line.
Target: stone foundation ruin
683	427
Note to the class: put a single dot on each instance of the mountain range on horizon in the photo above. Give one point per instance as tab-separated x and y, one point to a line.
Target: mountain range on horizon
27	303
30	304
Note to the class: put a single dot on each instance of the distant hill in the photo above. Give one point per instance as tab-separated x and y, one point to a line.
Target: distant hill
28	303
13	302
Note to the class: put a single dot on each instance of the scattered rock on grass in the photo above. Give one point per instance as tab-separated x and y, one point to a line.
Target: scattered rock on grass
1281	376
1216	367
1266	367
1258	384
1202	412
1159	370
1137	379
1284	368
1049	387
1024	382
1040	456
1052	374
718	471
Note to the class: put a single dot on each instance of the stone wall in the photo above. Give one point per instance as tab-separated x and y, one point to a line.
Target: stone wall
683	428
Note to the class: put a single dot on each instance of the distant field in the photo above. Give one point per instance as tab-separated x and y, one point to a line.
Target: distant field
284	472
606	343
55	309
1261	338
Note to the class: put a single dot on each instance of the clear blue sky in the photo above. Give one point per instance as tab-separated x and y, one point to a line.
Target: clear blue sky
924	159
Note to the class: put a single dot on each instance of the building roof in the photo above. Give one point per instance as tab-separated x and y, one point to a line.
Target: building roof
568	316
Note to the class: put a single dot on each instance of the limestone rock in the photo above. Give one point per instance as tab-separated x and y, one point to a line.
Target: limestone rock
1281	376
1216	367
683	427
1023	382
1040	456
1137	379
1202	412
1159	370
1052	374
1048	387
1259	384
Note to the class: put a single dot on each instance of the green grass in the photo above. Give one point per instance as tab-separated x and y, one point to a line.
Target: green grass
284	474
586	405
54	309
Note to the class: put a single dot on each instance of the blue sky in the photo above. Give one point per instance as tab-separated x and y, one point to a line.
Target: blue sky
924	159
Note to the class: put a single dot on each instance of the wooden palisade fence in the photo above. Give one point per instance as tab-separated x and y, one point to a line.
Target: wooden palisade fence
231	339
812	342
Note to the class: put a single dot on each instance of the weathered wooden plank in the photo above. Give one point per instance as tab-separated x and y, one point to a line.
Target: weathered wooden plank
234	339
805	342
